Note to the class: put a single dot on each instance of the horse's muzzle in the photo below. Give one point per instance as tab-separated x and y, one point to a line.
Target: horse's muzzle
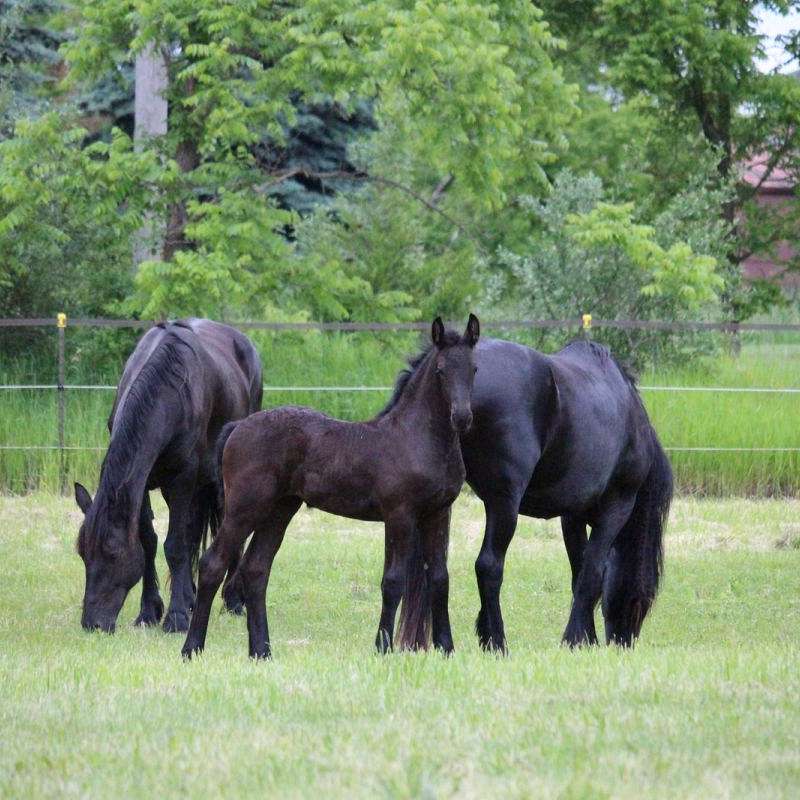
98	622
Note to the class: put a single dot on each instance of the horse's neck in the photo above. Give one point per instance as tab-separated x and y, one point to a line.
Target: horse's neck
422	409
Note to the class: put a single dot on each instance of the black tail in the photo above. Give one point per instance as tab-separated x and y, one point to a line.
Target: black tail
636	561
414	628
222	440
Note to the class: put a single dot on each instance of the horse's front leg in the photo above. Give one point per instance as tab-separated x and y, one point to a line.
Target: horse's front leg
399	529
152	608
501	522
435	532
183	514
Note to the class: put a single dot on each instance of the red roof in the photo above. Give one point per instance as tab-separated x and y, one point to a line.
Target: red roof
779	181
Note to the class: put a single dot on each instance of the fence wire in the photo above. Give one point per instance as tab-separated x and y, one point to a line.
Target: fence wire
583	324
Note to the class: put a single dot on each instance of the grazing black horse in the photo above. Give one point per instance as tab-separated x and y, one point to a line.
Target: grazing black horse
567	435
404	467
181	384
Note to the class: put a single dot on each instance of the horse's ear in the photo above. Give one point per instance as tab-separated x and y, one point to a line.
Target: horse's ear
437	332
82	498
473	331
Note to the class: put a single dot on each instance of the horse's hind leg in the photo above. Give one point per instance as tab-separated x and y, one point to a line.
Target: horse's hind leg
501	522
232	591
580	627
213	565
152	608
574	531
178	547
254	573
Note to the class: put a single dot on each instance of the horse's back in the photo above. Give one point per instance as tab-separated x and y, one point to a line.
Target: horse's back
556	429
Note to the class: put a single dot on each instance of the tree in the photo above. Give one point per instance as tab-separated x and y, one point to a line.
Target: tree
588	255
694	64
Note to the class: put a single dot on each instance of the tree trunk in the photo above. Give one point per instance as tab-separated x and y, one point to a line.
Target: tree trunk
150	121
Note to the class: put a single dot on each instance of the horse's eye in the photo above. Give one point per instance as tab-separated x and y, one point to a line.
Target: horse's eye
439	371
474	370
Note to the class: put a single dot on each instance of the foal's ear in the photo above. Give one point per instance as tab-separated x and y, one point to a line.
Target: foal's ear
82	498
437	332
473	331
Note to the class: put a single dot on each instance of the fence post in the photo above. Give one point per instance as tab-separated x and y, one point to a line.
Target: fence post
586	326
61	325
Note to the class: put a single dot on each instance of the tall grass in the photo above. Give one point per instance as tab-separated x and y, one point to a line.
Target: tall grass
682	419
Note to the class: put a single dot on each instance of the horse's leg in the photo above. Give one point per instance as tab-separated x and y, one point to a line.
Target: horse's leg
435	534
580	628
399	529
180	497
152	608
254	573
232	591
574	530
501	522
234	530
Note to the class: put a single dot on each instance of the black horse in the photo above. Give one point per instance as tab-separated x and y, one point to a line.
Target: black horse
403	468
566	435
181	384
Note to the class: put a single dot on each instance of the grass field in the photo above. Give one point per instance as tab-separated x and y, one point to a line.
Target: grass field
707	705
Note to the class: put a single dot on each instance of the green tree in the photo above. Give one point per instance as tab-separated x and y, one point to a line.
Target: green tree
468	88
693	66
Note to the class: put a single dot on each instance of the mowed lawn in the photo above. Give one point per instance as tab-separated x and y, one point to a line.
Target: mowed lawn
707	705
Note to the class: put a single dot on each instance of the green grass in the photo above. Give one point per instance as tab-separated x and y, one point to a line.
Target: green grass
682	419
705	706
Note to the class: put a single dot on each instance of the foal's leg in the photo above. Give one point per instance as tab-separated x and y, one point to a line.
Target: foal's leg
501	522
435	534
254	573
580	628
180	497
152	608
232	591
228	541
399	529
574	530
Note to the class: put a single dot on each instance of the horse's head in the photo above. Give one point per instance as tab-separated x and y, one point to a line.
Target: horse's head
455	369
112	556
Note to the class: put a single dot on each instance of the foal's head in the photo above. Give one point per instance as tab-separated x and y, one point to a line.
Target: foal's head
113	558
454	360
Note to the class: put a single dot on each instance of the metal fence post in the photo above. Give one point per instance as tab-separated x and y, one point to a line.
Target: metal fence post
61	325
586	326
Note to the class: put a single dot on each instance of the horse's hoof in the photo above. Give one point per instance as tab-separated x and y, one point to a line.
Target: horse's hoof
383	643
150	614
188	651
176	622
579	639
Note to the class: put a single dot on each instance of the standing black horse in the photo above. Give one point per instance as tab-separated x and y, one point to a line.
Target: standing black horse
567	435
181	384
403	468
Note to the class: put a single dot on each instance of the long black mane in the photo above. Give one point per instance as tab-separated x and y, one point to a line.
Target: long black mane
604	355
414	362
167	367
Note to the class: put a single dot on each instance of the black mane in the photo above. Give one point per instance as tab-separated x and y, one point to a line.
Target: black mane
414	362
167	367
604	354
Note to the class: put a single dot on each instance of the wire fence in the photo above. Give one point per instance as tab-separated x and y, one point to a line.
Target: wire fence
582	325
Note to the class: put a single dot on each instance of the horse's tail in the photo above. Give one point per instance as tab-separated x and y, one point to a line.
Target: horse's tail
414	628
227	429
636	561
